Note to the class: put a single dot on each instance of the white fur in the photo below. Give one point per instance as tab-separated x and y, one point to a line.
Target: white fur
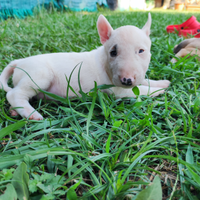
49	71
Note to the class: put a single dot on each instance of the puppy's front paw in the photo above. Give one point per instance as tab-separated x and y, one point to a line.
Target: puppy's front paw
163	83
166	83
34	116
173	60
13	112
157	92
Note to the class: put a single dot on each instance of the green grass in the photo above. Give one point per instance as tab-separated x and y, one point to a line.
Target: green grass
97	147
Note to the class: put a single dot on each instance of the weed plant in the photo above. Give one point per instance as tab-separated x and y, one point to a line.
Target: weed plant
97	146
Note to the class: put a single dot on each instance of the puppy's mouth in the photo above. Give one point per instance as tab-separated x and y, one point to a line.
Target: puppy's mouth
127	86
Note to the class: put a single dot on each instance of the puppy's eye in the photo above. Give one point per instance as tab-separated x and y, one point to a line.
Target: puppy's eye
113	52
141	50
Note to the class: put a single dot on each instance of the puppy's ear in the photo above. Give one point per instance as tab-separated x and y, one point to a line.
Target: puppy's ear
146	28
104	29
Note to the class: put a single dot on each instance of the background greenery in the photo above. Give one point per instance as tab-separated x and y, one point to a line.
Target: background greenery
97	147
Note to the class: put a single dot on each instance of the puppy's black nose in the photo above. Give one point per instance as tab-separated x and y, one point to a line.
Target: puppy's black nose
127	81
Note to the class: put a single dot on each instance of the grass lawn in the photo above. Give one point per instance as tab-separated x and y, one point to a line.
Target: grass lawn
97	147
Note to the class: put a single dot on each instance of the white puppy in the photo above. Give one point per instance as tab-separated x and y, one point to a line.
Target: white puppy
122	61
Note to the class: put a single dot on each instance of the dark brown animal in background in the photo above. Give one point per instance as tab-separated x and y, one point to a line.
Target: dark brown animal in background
189	46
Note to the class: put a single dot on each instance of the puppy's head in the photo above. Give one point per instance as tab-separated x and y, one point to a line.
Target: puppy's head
128	52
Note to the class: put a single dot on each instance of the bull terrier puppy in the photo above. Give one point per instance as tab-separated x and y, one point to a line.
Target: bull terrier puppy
122	61
188	47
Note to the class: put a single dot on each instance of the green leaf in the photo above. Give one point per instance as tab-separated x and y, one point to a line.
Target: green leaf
117	124
10	193
47	197
108	144
69	163
20	182
33	185
49	182
197	104
152	192
119	179
7	174
105	109
102	87
194	175
136	91
50	164
189	155
91	109
53	96
47	188
76	185
133	164
130	184
71	194
13	127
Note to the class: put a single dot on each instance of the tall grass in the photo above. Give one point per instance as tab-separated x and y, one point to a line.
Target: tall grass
96	146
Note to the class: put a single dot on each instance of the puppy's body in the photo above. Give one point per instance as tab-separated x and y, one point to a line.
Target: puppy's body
49	71
189	46
122	61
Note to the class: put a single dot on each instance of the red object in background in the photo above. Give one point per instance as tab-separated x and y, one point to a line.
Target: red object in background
189	27
187	33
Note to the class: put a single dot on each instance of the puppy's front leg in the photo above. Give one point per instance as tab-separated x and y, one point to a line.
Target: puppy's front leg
159	83
152	91
144	90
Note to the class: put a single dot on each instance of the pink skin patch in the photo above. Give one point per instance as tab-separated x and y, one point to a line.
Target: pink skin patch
32	117
13	112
